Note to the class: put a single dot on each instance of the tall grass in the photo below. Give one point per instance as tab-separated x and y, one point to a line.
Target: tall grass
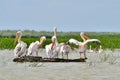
109	40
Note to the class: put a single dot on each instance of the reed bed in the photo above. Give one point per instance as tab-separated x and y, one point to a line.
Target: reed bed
109	40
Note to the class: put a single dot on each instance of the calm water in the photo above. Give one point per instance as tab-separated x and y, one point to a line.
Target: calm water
104	66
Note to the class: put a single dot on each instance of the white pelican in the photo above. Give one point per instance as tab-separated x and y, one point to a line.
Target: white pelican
83	45
34	47
100	49
65	49
20	47
90	50
51	49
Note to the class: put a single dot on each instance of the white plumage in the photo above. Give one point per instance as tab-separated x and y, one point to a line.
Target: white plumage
83	45
34	47
100	49
65	49
73	41
20	48
53	49
48	50
90	50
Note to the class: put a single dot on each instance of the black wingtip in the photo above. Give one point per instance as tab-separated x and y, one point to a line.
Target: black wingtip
67	43
99	43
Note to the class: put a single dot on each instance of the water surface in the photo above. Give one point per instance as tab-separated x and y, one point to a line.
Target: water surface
99	66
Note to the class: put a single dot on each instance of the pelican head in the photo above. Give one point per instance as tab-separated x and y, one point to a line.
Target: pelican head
54	40
84	36
42	39
18	36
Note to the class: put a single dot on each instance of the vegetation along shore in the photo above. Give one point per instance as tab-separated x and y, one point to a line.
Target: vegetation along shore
109	40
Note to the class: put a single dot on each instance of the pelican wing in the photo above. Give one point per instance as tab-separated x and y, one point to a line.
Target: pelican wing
20	49
92	40
30	49
48	50
33	48
73	41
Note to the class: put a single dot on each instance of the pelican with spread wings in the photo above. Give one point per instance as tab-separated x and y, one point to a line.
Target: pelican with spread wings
83	45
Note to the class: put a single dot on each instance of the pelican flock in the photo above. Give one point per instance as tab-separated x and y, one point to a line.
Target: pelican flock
20	48
54	49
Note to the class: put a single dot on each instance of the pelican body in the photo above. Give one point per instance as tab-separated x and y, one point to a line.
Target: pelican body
65	49
20	48
52	49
